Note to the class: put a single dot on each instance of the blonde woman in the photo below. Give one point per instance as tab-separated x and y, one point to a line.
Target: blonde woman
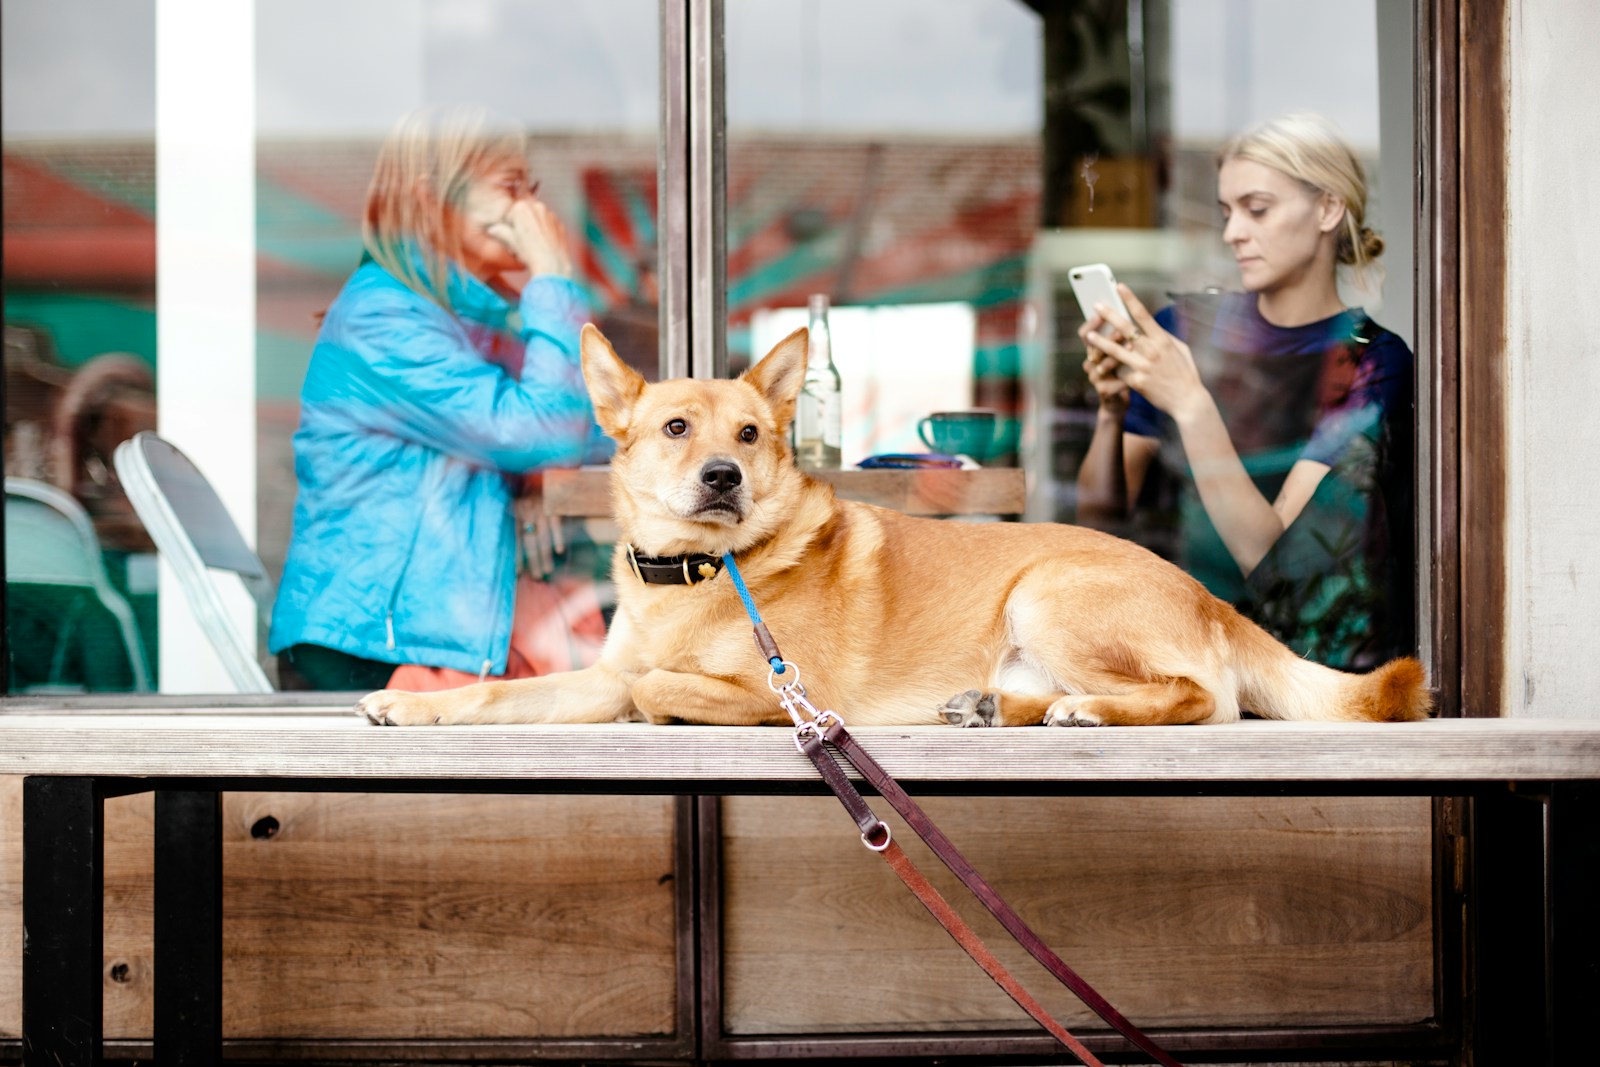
446	367
1286	417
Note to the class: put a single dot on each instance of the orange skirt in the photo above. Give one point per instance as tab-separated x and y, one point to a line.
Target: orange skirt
556	626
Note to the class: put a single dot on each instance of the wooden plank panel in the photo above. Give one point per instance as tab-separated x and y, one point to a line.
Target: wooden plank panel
1208	912
127	905
263	743
10	906
371	916
987	491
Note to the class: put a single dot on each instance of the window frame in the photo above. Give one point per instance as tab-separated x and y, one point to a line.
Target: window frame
1459	211
1460	535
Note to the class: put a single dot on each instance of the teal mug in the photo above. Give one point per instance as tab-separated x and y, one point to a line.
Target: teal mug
961	433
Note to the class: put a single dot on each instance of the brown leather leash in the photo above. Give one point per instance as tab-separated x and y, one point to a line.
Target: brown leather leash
836	734
813	728
876	836
827	726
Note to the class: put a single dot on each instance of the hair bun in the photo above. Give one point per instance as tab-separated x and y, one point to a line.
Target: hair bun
1371	243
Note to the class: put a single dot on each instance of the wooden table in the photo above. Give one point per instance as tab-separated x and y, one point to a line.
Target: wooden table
585	493
937	491
74	760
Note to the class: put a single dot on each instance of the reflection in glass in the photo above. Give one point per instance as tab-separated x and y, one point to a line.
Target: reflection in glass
80	244
903	185
579	81
80	336
939	192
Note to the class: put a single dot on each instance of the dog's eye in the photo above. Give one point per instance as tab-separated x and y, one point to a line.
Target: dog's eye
676	428
748	434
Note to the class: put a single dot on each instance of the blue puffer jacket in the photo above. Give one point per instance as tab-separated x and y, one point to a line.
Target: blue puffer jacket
411	432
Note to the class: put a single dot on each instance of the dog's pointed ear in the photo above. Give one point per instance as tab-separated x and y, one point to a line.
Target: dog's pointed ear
780	374
614	387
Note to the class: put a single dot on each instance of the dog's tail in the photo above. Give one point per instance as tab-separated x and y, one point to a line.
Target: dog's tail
1277	684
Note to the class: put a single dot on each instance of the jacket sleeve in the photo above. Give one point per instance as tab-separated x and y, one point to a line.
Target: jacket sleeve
398	363
553	314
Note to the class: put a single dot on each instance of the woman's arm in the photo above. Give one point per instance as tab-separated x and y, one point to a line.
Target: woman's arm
1113	470
553	315
1103	496
1114	467
390	360
1162	369
1248	523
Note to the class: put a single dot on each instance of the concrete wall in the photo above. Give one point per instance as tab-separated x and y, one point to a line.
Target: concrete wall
1553	334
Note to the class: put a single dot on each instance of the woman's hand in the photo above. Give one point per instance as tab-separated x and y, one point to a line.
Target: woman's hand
535	236
1102	372
1147	358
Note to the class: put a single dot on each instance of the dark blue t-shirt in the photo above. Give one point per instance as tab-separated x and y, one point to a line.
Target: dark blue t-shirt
1338	585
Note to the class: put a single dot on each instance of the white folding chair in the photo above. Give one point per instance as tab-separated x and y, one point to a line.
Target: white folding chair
50	541
196	535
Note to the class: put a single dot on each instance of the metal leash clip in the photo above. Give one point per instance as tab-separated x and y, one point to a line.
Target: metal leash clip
813	727
791	676
807	719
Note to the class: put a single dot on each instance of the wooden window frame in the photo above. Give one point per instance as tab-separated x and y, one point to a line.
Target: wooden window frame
1462	215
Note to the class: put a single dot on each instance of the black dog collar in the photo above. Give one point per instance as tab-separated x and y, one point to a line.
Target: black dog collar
674	570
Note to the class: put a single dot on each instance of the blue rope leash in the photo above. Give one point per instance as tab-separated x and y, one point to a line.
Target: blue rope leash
764	641
744	592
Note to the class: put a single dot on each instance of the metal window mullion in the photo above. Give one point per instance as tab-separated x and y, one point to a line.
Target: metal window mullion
672	184
707	171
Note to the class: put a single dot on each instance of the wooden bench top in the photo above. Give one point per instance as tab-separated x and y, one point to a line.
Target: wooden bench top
326	743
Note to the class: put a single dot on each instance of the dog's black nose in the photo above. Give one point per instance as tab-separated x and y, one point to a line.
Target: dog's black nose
721	475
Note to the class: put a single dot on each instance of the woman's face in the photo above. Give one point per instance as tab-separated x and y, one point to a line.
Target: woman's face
488	199
1281	232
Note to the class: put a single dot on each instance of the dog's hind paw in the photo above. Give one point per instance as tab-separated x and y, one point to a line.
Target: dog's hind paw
971	708
1071	711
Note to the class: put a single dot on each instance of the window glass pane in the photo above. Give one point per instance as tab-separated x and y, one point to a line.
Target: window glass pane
445	449
939	170
903	183
941	190
80	339
321	87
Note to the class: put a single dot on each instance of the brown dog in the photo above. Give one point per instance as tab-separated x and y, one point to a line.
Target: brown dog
886	616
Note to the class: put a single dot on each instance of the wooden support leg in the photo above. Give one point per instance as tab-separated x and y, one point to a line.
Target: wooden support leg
1572	930
1506	922
188	928
63	834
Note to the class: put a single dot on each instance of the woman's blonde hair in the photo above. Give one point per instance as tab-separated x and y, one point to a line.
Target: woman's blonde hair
426	165
1309	149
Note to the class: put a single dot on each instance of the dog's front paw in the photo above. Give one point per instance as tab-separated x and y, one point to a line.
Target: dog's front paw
1072	711
392	707
971	708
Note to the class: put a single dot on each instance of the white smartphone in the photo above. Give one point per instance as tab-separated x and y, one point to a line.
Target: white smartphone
1094	284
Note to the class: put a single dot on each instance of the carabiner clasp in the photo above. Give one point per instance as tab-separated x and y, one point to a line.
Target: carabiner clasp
790	678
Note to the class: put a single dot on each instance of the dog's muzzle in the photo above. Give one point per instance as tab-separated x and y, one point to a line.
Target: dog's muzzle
722	489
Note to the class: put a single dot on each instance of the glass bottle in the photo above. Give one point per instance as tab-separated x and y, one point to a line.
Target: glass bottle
818	428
